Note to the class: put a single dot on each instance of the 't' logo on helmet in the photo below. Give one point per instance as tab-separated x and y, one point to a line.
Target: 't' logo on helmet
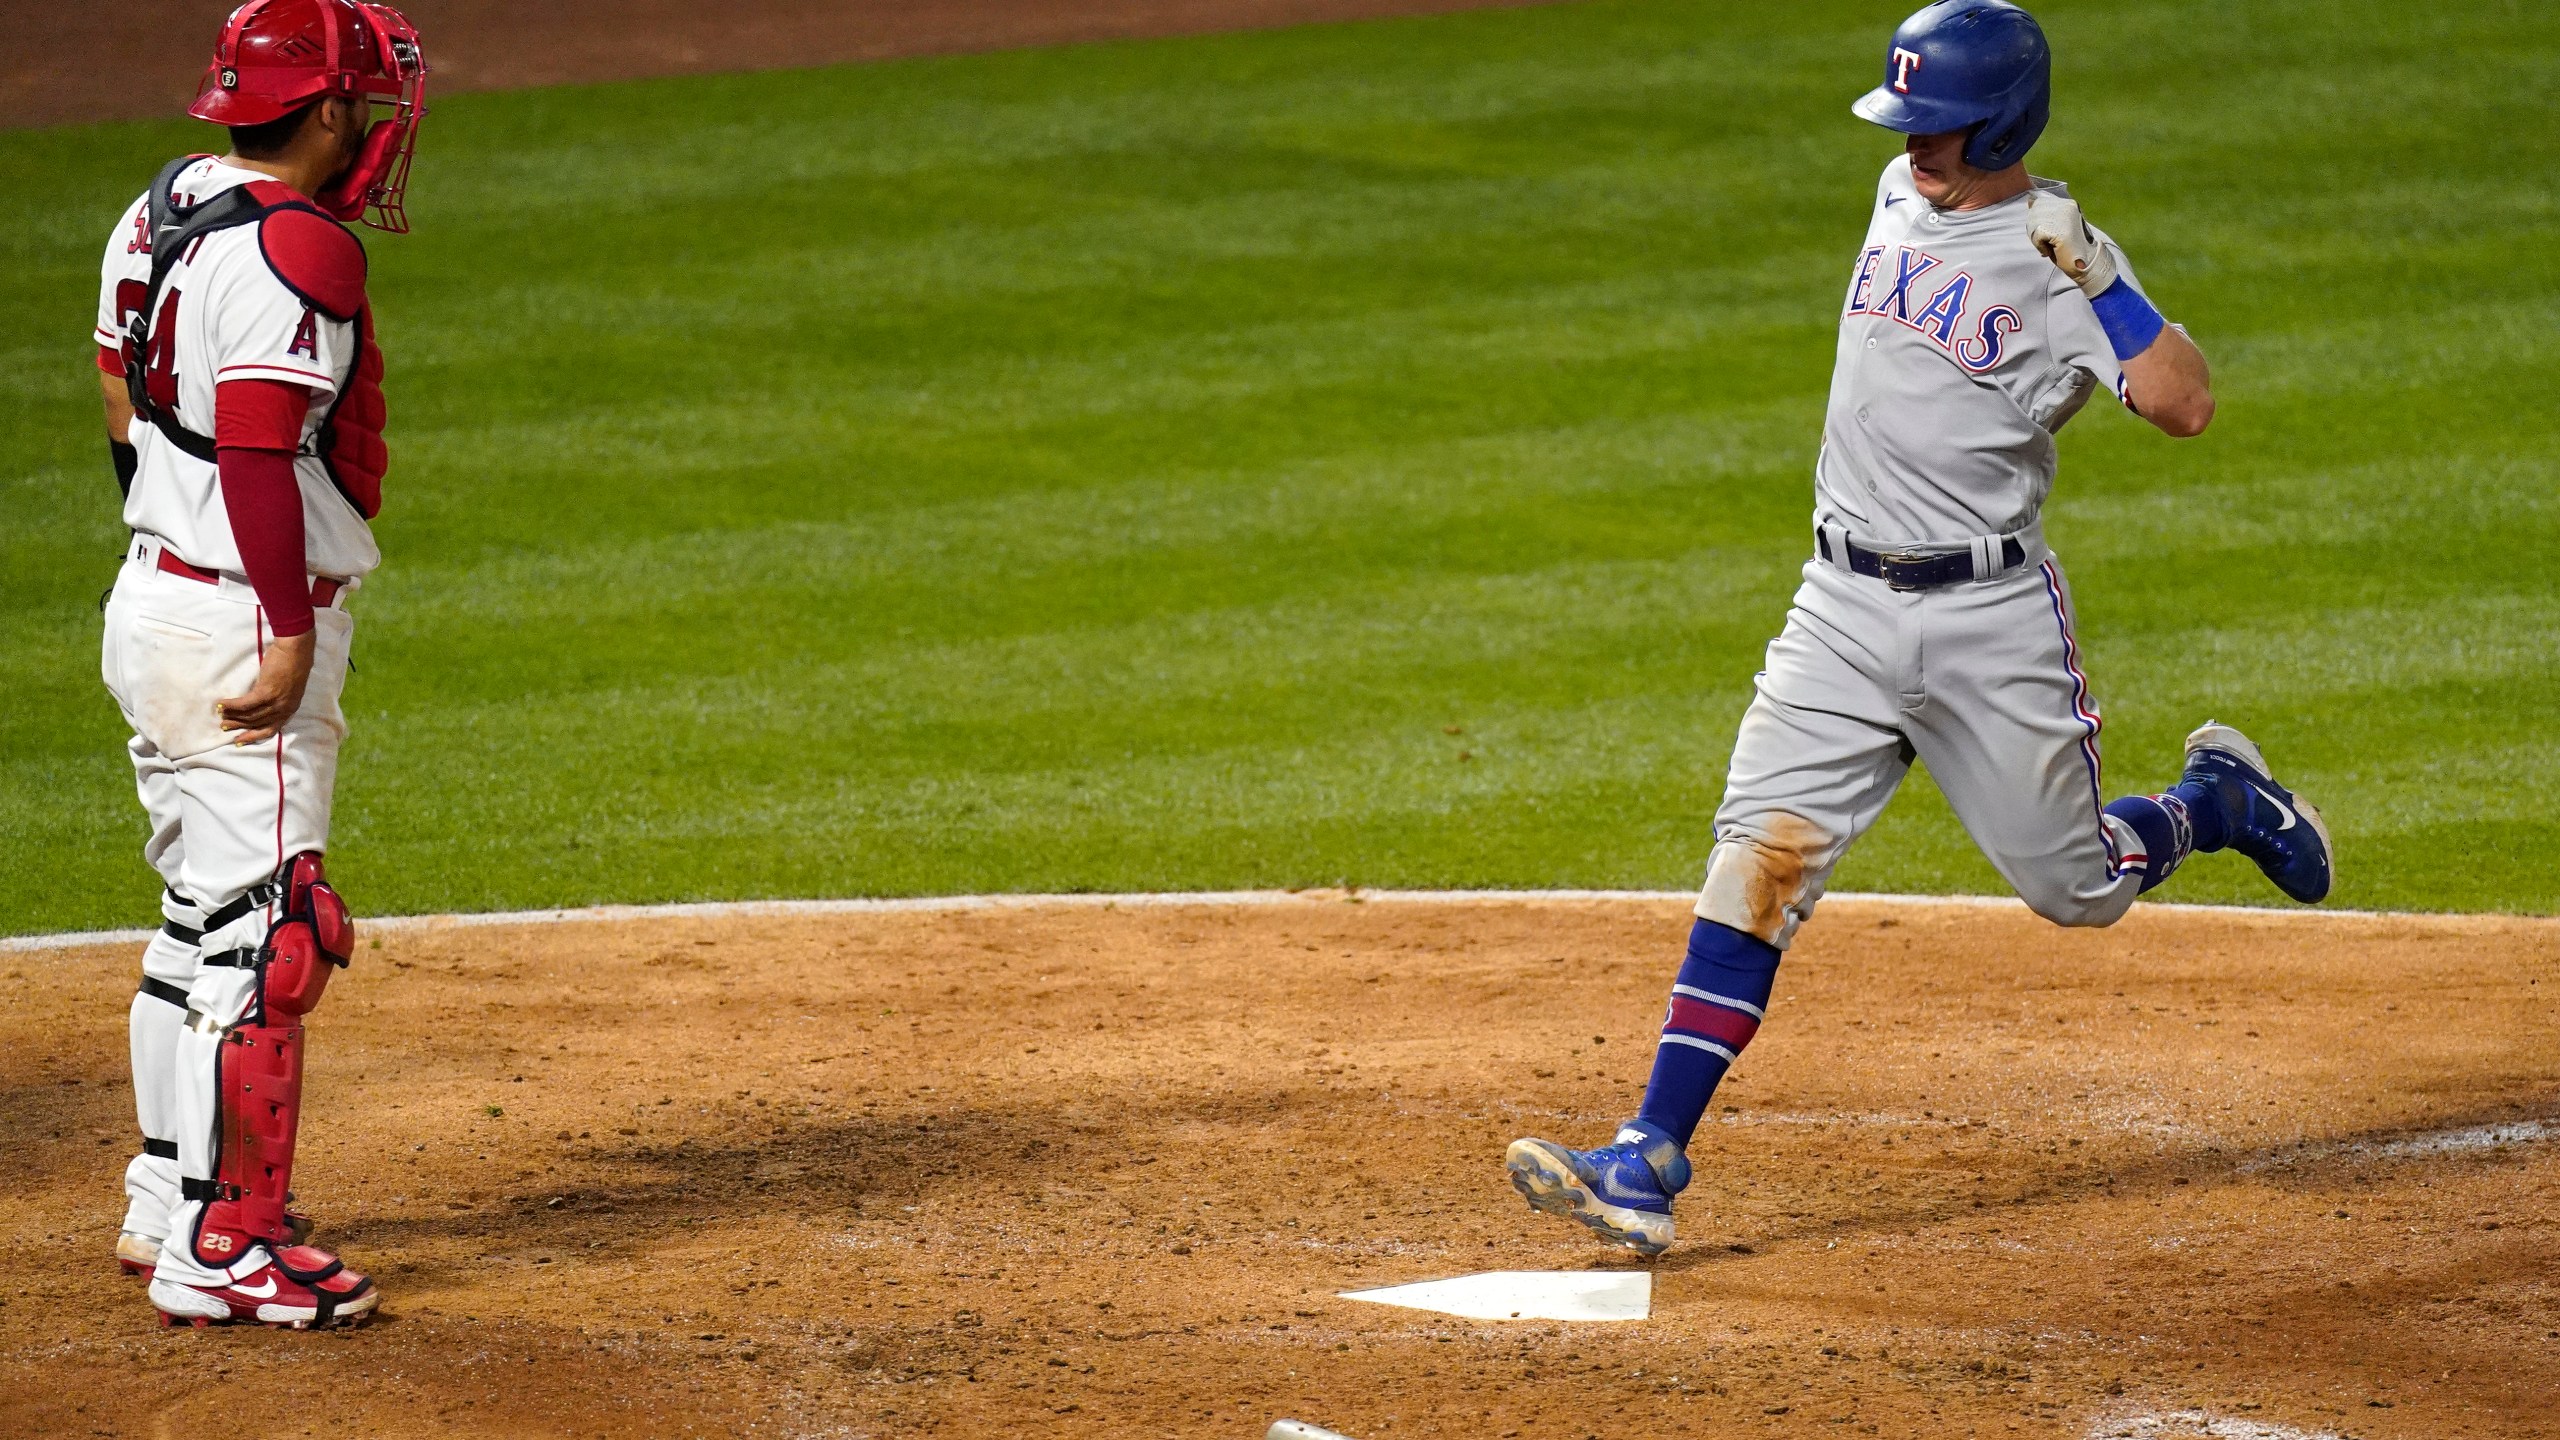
230	78
1904	62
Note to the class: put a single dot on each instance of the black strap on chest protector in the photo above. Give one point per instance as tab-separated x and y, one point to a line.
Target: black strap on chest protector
175	228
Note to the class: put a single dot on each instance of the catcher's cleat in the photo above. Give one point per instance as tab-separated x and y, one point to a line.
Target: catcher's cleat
2261	819
298	1288
137	1254
1621	1192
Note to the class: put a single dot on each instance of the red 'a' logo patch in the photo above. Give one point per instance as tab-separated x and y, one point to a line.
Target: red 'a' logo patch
306	337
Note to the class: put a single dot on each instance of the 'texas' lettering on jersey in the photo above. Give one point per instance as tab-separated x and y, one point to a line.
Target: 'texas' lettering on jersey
1892	278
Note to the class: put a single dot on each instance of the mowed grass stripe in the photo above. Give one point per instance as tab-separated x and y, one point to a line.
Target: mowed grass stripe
1120	468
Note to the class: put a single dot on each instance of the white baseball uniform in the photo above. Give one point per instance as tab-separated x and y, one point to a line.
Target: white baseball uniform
184	630
236	319
1962	351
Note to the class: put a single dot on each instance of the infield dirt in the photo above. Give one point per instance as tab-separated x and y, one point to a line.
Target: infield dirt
1100	1172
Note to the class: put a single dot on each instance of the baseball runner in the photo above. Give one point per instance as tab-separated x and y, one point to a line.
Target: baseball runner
245	413
1980	314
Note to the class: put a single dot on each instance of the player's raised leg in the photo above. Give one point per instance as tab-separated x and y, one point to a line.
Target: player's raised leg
2012	735
1816	760
2283	833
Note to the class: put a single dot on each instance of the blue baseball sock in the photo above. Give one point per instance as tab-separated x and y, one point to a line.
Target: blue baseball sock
2173	824
1716	1007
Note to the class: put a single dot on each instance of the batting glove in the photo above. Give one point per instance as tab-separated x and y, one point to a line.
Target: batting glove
2056	226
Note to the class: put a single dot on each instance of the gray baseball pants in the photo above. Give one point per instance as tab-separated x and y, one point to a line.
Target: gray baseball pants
1982	680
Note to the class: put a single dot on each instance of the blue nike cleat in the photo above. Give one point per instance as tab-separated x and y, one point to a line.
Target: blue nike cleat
2261	819
1621	1191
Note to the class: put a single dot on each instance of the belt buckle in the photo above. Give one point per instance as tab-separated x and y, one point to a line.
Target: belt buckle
1889	560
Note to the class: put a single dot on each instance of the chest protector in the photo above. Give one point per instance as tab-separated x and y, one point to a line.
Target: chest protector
349	441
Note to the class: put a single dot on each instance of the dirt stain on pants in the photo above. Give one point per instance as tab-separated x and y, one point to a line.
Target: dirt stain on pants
1757	883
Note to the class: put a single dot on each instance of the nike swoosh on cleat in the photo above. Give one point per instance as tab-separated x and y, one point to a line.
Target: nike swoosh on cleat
256	1294
2281	808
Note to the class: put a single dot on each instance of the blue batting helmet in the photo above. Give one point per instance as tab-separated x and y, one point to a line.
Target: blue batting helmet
1975	65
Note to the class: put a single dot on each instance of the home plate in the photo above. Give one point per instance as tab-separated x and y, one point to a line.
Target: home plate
1526	1295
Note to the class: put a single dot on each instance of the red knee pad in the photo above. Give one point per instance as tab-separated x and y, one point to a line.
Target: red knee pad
313	935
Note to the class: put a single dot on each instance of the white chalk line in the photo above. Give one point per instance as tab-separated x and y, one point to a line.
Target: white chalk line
2477	1137
1183	899
2466	1140
2182	1424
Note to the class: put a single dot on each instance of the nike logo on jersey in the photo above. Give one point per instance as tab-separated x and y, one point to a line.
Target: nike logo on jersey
269	1288
2281	808
1892	200
1977	341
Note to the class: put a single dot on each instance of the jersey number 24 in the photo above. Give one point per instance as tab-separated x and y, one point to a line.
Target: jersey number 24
160	370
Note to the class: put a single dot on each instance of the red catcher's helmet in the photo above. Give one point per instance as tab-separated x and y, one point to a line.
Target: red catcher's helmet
276	56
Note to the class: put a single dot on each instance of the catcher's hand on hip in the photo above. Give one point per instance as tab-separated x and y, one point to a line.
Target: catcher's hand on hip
284	671
2055	224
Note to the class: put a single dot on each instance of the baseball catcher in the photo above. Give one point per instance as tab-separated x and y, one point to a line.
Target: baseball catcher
1981	312
245	415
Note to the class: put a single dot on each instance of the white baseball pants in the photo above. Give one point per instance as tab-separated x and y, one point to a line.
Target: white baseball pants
224	818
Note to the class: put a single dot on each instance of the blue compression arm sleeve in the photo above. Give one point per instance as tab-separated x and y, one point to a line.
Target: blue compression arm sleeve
2129	319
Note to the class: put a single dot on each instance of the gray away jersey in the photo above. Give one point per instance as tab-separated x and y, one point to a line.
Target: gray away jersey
1962	351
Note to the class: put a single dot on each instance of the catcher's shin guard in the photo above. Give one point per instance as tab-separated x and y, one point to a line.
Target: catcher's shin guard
261	1078
258	1069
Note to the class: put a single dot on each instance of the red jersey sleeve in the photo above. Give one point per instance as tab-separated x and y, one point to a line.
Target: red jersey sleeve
257	426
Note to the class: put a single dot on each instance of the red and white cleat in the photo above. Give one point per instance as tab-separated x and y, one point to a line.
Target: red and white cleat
297	1287
137	1254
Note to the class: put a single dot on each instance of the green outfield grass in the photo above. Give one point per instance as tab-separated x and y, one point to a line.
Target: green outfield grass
1370	454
